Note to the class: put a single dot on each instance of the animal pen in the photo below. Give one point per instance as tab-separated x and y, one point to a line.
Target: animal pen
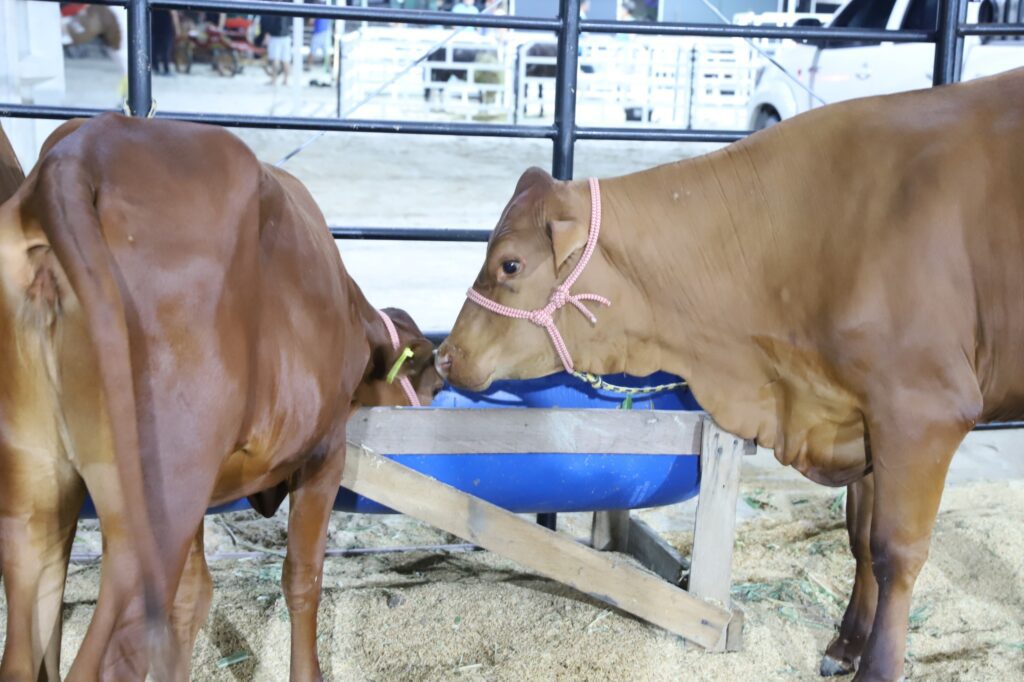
687	597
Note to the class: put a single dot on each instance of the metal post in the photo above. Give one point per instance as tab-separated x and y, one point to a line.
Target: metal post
518	79
566	67
565	88
140	50
948	45
337	34
692	90
298	41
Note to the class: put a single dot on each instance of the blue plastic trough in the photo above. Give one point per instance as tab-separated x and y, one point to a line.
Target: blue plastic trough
543	483
536	483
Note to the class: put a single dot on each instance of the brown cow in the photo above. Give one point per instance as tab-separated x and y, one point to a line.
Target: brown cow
33	512
157	273
852	276
11	175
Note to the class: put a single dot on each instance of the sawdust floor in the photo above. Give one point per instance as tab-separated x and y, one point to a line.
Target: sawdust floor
475	616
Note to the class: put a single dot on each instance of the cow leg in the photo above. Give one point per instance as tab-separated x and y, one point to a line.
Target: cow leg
191	602
910	459
54	578
119	611
35	549
315	485
188	580
119	642
843	654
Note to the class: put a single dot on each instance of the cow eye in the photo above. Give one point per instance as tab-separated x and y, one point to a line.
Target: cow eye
511	267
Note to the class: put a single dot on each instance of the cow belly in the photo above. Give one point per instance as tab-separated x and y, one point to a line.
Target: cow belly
286	435
246	471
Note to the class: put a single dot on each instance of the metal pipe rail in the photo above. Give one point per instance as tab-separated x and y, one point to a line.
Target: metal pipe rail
990	29
384	14
773	32
394	127
430	17
411	234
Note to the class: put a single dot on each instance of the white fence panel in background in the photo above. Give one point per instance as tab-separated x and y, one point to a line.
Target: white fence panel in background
510	76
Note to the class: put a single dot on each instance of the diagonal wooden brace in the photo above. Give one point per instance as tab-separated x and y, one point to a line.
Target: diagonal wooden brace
555	556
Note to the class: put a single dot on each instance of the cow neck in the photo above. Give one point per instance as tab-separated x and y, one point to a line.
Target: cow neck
403	381
380	330
670	233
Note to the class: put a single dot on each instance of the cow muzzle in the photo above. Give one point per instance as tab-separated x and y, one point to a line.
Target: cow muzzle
459	371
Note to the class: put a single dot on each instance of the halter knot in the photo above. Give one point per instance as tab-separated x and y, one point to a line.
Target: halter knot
542	316
559	297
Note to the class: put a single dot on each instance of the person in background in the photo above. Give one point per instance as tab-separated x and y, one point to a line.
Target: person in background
585	9
465	7
164	26
279	45
320	42
495	8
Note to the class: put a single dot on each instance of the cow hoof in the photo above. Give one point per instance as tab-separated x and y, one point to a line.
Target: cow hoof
831	667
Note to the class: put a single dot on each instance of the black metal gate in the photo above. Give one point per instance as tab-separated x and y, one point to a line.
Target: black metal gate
948	38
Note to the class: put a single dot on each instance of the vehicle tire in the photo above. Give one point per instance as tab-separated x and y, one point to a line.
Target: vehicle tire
766	118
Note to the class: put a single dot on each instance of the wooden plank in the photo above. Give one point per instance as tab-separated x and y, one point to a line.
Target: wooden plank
711	562
734	633
610	531
651	550
426	431
556	556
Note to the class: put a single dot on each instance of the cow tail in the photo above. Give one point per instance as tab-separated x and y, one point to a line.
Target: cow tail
70	221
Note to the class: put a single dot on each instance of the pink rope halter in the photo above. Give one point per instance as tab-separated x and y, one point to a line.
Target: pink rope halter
403	381
544	317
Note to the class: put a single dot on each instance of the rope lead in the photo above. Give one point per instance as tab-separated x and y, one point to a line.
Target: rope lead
599	383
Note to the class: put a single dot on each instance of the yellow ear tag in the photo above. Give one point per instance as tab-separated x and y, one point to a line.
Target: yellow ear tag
406	354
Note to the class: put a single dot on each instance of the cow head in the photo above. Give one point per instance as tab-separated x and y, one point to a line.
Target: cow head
419	368
535	245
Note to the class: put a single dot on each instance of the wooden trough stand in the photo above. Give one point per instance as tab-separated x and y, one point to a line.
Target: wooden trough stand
702	613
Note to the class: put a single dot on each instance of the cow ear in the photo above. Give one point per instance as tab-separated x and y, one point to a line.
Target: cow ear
423	354
411	360
567	237
530	177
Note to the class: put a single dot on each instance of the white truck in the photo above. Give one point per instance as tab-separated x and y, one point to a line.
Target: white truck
818	72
